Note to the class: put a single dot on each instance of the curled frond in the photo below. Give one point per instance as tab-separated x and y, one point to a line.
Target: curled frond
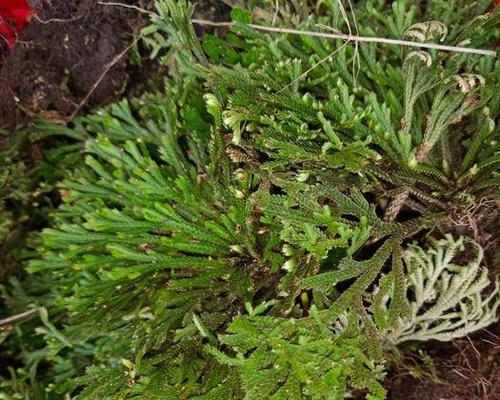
429	30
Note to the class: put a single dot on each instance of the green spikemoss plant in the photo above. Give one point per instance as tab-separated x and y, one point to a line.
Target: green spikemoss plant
244	234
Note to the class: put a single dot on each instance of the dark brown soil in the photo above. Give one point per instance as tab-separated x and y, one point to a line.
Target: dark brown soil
61	55
55	69
464	369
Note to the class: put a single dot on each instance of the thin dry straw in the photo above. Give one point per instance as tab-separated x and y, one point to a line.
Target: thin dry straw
16	317
304	74
356	62
355	38
118	4
350	38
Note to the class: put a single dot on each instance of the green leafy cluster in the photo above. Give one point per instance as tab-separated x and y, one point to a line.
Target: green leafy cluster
17	192
27	183
280	358
244	234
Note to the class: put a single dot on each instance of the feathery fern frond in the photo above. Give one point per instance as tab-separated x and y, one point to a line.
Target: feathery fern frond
282	359
449	297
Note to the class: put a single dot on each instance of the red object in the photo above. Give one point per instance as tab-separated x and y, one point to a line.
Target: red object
14	16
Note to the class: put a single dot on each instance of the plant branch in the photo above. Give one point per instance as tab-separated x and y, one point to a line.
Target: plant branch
336	35
16	317
355	38
117	4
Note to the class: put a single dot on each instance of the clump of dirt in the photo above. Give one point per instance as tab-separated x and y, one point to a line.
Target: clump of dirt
57	62
464	369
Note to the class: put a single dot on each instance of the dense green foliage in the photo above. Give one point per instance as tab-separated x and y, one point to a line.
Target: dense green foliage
246	233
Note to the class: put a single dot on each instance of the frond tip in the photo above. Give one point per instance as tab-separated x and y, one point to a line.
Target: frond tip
448	300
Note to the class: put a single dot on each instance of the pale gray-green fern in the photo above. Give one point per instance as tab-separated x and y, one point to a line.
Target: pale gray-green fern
450	298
